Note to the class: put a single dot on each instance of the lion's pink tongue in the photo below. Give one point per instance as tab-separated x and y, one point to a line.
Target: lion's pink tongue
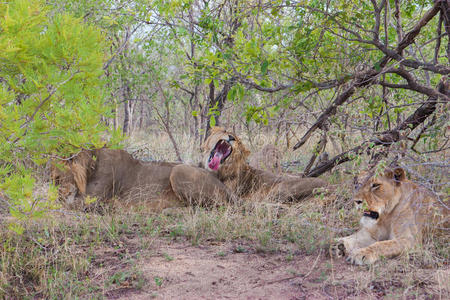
215	161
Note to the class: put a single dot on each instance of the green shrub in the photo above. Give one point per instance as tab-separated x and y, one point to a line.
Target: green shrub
51	97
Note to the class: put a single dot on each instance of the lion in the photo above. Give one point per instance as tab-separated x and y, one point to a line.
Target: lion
108	173
224	154
396	214
268	159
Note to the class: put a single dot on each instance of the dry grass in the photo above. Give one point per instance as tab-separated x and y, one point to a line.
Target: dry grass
74	254
90	255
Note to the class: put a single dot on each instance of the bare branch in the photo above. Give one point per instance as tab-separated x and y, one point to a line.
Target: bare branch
398	21
377	11
422	131
413	85
389	137
445	10
122	47
438	38
340	99
265	89
435	68
369	76
319	148
411	35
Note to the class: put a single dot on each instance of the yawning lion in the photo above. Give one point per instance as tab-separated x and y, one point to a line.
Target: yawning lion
225	155
109	173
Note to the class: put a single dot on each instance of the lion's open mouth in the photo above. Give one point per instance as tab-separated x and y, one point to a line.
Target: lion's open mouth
371	214
219	154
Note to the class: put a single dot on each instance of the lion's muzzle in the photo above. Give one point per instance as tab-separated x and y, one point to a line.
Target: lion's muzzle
371	214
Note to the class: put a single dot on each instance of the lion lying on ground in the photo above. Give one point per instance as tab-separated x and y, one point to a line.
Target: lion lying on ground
397	213
108	173
225	155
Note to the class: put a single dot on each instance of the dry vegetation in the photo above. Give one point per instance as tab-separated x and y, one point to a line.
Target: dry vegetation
72	254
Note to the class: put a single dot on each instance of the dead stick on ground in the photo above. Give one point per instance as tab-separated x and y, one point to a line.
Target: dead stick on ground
292	277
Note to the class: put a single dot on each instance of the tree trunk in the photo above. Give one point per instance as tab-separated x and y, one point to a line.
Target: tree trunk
210	105
219	100
141	115
126	109
126	117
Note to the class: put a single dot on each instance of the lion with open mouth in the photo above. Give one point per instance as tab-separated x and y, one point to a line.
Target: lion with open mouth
225	155
108	173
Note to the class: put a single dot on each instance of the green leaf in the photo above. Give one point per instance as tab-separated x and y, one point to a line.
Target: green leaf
264	66
17	228
232	93
377	66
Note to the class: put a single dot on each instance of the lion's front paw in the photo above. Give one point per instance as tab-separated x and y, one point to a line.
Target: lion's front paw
338	248
361	257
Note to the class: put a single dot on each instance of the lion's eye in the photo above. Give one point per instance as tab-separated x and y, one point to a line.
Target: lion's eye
375	186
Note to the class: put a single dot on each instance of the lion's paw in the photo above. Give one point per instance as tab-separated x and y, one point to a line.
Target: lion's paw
361	257
338	248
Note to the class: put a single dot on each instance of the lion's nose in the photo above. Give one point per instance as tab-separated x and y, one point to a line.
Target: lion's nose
231	138
359	202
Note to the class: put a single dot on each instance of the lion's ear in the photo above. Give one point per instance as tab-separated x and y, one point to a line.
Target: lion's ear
399	174
216	129
245	152
388	173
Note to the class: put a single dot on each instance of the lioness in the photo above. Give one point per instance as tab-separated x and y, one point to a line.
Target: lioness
396	214
225	155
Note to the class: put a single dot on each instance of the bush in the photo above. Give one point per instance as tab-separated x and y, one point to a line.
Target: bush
52	97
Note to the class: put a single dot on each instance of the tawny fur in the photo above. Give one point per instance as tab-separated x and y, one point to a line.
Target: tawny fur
108	173
405	211
244	179
81	167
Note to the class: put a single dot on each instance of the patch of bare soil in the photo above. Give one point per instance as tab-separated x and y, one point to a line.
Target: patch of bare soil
178	270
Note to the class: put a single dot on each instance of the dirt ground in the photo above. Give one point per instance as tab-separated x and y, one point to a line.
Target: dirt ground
179	270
